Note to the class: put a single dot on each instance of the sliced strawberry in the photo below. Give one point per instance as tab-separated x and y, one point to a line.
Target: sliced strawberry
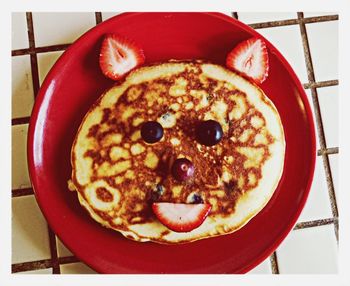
119	55
181	217
250	57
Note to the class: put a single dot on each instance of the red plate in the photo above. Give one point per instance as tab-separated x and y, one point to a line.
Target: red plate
76	81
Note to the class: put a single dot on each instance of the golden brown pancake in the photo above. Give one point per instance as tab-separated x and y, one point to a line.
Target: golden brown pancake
117	175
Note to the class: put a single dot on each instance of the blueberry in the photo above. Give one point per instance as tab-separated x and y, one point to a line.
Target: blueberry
151	131
196	199
209	132
157	192
182	169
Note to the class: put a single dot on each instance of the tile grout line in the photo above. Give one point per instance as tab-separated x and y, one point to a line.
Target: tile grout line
314	223
43	49
234	15
20	120
53	251
290	22
321	134
321	84
32	265
33	55
98	17
41	264
22	192
328	151
274	263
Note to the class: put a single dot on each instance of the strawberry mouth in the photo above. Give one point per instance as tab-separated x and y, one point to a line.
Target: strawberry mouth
180	217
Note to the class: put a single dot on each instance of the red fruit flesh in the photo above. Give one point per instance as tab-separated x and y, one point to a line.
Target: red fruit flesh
118	56
250	58
181	217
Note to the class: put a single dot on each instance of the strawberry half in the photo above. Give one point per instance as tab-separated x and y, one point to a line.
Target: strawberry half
250	58
119	55
181	217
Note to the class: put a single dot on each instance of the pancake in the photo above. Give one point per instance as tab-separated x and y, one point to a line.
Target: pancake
118	176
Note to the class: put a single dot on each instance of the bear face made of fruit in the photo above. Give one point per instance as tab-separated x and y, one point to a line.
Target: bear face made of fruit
178	151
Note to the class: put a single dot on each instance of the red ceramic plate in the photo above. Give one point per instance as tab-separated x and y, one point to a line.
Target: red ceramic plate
76	81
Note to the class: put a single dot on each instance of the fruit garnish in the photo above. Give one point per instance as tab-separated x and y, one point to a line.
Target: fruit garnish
182	169
118	56
151	131
209	132
181	217
250	58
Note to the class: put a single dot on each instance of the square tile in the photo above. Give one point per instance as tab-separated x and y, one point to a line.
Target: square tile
317	14
309	251
107	15
20	175
287	40
62	250
39	271
263	268
329	105
323	41
334	164
76	268
309	97
30	238
45	63
61	28
318	205
19	31
256	17
22	86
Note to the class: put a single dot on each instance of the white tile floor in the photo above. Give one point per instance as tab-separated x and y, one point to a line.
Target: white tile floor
263	268
317	205
252	17
317	14
329	104
61	28
309	251
29	231
324	49
107	15
309	97
62	250
334	164
45	63
19	31
312	250
22	87
20	174
74	268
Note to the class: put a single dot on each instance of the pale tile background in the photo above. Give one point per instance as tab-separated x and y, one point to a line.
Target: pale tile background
20	175
30	240
324	49
19	31
22	87
61	28
307	250
329	105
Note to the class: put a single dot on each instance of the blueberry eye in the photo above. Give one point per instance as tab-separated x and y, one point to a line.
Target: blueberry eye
209	132
151	131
